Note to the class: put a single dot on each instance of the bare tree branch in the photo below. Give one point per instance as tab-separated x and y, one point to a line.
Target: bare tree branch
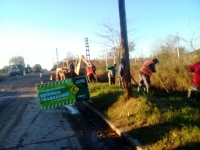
194	37
112	38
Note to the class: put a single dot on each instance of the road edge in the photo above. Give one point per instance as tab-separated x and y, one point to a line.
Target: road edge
133	142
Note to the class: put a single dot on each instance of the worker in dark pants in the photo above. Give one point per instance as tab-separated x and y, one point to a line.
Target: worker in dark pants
121	73
94	71
145	73
90	74
111	74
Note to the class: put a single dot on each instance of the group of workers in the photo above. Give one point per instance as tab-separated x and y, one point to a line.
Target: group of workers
144	75
146	71
90	72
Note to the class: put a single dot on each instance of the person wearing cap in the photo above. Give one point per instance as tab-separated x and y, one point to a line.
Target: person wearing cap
195	69
111	74
71	66
145	73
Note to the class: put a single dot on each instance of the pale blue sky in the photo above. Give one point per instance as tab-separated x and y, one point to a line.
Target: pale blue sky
34	29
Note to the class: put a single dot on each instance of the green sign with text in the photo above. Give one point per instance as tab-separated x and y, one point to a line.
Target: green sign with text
63	92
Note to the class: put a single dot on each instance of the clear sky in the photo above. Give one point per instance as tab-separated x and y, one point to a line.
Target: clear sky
34	29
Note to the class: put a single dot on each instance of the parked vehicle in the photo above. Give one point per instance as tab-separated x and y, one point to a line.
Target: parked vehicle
16	70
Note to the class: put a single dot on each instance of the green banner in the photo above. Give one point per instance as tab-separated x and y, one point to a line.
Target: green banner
63	92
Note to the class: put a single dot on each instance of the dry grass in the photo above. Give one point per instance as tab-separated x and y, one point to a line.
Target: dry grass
159	120
3	73
171	73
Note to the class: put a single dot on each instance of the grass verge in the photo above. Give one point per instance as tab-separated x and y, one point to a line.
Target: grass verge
159	120
2	76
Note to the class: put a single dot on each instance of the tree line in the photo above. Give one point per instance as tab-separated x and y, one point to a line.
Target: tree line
19	60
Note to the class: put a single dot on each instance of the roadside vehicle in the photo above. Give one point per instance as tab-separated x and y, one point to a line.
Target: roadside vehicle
16	70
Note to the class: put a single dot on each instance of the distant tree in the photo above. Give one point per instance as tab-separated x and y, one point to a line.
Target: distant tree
168	47
71	56
17	60
64	63
194	39
193	42
28	69
54	68
28	66
111	37
44	70
6	68
37	68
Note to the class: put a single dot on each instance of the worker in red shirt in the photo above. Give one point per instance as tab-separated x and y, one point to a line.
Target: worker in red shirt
195	69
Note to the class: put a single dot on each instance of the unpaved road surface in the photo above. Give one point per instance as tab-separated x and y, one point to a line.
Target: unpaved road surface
23	126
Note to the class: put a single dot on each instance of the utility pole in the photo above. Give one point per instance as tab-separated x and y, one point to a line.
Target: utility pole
57	57
125	50
113	54
87	49
177	46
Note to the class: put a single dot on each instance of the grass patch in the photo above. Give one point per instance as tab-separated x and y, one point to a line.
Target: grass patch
2	76
157	119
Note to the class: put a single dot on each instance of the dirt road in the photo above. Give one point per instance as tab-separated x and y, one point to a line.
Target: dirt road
23	126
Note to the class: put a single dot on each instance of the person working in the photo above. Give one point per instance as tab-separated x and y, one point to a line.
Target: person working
111	74
90	74
94	71
71	66
121	74
145	73
71	73
195	69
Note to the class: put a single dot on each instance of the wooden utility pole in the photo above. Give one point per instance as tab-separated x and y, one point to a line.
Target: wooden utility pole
177	46
125	50
57	57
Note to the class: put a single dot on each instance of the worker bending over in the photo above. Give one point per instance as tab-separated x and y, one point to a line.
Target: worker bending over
195	69
145	73
121	73
90	74
111	74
